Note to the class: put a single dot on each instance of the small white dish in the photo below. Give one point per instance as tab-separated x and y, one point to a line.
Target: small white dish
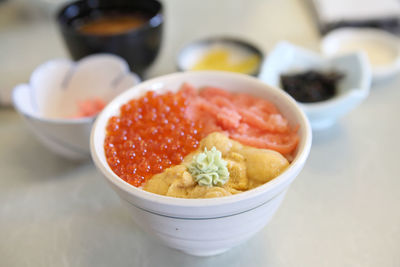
50	100
382	48
204	227
237	49
352	89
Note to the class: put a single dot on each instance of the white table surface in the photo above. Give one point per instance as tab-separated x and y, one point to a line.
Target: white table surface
342	210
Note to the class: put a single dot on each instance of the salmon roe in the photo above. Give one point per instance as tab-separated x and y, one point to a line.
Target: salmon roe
150	135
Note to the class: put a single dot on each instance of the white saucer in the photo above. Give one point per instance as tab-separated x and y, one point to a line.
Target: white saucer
382	48
352	90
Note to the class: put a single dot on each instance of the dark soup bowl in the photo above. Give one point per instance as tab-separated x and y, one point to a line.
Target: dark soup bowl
131	29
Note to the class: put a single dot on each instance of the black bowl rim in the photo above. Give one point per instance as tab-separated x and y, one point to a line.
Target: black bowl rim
148	25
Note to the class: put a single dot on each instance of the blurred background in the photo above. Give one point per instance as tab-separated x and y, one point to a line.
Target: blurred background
29	34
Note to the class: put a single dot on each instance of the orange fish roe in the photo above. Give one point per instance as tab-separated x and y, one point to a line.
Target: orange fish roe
150	135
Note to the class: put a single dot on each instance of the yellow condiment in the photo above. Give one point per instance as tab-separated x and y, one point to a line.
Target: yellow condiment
221	59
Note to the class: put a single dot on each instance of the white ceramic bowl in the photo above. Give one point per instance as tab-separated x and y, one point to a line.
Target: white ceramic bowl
382	48
50	99
204	227
238	50
352	90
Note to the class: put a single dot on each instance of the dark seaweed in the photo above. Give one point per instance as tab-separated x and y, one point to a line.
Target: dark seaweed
311	86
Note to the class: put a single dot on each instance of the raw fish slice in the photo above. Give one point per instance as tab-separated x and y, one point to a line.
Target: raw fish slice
281	144
209	92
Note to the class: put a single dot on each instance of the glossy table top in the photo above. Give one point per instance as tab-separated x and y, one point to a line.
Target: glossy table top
342	210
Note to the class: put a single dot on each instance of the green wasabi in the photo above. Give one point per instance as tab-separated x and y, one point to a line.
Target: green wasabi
209	169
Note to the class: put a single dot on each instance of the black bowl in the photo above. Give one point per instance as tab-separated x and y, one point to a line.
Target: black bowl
139	46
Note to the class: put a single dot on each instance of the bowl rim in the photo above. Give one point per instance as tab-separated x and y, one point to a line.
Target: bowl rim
116	103
154	21
80	120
